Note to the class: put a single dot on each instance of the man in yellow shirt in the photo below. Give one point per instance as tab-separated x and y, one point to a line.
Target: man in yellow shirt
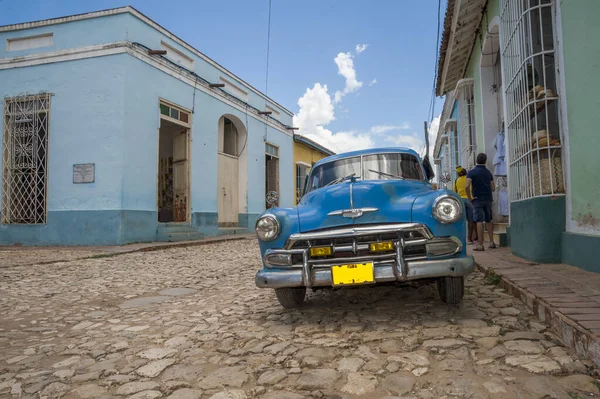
460	187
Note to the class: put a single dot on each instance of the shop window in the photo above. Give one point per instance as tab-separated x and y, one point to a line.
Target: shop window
532	99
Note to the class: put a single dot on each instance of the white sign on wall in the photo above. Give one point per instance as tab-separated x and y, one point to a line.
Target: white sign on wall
84	173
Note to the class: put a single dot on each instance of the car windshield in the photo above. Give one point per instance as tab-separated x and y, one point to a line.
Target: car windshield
374	167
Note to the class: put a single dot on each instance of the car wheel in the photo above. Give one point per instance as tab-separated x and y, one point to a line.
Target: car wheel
451	289
290	298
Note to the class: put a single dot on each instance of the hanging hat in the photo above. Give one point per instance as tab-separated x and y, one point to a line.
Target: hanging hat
459	169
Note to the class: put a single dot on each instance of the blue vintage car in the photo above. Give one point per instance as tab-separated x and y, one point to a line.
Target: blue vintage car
366	217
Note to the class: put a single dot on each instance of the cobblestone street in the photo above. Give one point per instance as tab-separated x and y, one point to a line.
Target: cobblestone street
189	323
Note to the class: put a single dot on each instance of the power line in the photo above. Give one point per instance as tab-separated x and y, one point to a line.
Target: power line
267	70
268	48
435	62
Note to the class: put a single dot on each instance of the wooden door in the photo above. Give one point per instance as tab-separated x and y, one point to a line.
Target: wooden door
227	186
180	177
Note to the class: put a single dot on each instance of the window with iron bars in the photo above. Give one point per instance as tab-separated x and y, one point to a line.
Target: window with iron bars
301	175
532	102
25	159
466	114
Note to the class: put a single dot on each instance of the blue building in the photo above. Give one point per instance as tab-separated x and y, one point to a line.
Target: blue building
117	131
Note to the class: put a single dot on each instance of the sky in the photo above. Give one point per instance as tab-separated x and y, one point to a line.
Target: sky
356	73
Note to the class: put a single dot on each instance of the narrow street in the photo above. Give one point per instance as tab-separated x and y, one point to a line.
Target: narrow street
189	323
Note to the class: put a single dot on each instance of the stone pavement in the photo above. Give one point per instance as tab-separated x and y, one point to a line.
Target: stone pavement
20	255
565	298
188	323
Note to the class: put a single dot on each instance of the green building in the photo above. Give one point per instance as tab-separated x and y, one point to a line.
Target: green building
521	81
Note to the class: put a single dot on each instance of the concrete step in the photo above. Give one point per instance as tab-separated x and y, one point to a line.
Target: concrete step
222	231
175	228
182	236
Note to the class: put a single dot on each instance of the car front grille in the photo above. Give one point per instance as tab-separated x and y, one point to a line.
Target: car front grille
351	244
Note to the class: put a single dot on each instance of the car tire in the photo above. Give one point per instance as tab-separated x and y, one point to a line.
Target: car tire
290	298
451	289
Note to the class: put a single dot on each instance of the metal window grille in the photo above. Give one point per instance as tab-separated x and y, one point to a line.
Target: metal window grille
466	114
301	175
25	159
533	130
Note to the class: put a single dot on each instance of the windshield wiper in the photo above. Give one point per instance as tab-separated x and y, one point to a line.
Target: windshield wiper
340	179
386	174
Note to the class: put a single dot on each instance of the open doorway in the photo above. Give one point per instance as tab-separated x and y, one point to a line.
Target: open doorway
173	171
271	172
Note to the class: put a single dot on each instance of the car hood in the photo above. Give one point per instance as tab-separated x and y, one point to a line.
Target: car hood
391	201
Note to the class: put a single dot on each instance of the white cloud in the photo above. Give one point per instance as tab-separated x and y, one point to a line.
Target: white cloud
316	111
341	141
381	129
433	131
371	83
412	140
345	64
361	47
316	108
416	140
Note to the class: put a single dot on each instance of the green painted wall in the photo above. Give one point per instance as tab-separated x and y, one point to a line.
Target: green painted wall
581	251
473	68
536	228
581	49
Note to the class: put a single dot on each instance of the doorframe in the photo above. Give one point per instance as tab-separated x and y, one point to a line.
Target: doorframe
188	132
278	170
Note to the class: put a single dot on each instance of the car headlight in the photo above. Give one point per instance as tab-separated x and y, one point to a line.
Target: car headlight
447	209
267	227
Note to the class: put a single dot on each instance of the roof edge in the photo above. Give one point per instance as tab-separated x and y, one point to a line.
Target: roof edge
449	16
136	13
305	140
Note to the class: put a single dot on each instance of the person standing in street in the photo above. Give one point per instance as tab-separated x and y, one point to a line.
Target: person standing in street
460	185
482	182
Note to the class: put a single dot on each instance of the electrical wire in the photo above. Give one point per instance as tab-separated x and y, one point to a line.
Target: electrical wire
435	69
267	72
268	49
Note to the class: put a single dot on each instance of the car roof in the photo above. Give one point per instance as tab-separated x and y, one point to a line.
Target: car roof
370	151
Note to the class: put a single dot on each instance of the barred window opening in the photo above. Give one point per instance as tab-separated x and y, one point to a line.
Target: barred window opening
301	175
467	136
533	126
25	159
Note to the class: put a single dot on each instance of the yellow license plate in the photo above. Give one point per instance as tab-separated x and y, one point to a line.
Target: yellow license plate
355	273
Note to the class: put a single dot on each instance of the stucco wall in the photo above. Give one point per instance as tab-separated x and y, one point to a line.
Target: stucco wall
581	60
105	111
86	123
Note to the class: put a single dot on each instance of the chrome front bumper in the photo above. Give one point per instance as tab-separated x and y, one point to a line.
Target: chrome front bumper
402	264
454	267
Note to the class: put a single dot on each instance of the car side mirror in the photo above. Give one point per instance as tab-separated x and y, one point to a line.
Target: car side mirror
429	174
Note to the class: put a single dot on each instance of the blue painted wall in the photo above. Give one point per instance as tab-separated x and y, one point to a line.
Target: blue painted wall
105	111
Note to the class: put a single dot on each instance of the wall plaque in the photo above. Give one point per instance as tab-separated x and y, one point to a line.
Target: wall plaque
84	173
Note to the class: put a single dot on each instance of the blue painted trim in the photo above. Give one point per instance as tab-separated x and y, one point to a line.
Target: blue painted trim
116	227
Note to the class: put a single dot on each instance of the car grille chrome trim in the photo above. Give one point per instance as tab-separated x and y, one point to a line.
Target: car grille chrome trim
357	231
354	248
